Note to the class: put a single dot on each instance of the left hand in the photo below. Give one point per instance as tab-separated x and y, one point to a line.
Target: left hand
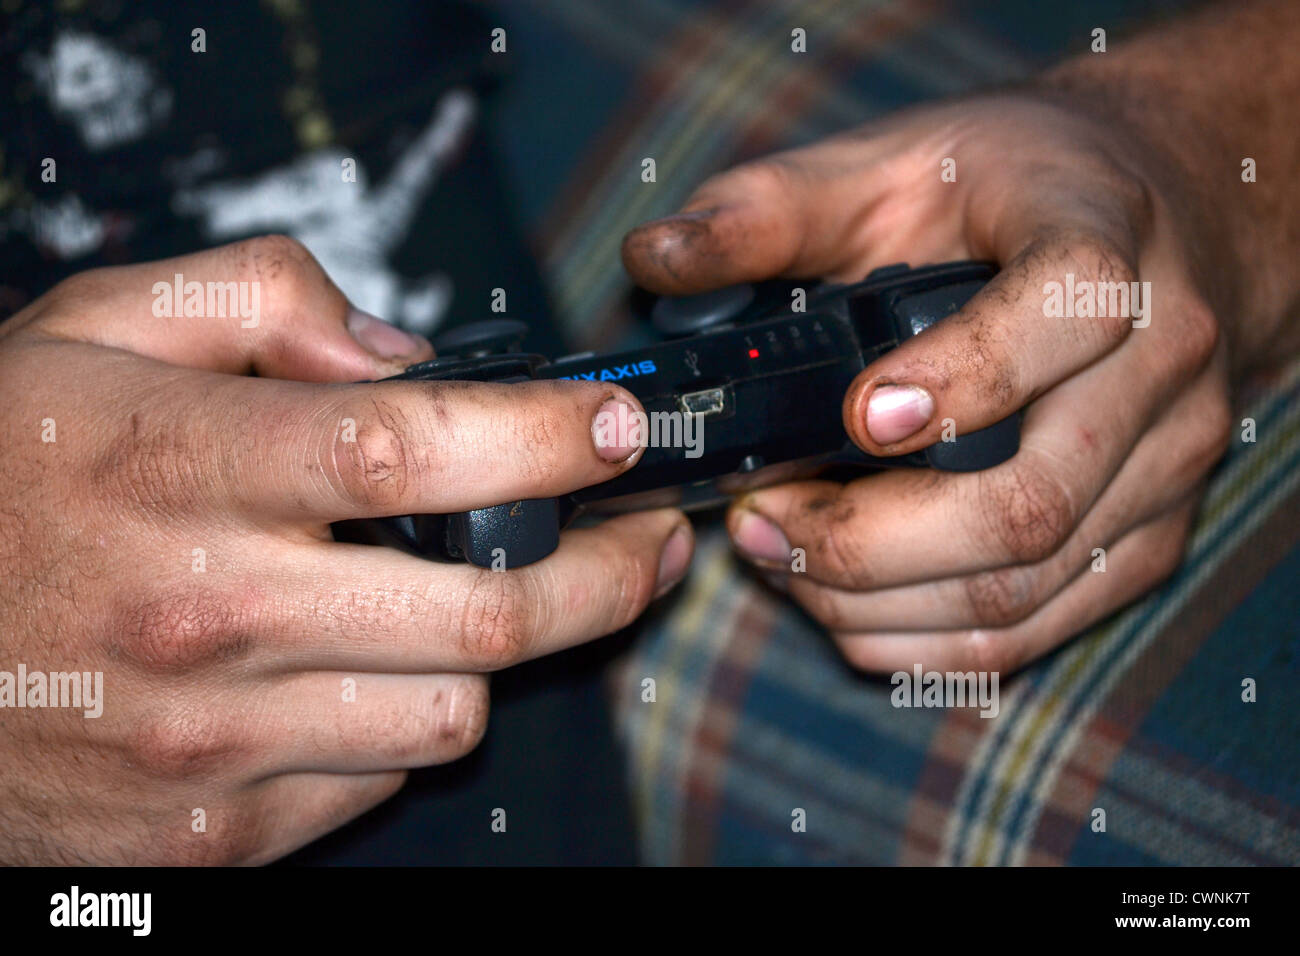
986	570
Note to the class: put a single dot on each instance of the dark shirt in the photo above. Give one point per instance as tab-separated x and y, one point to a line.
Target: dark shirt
161	148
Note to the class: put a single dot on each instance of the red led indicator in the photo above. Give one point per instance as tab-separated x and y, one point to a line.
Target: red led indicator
753	353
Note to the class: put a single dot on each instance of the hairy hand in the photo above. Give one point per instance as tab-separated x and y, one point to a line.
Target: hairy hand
1127	396
166	523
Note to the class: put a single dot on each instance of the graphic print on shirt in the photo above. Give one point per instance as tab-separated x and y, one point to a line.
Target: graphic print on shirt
352	225
352	228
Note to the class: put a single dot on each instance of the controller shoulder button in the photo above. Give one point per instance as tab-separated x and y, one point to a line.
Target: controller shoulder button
689	314
919	311
482	338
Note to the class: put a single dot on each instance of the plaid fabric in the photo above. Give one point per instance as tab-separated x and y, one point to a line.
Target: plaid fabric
756	715
1142	717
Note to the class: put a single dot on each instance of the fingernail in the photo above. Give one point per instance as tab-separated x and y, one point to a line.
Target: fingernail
896	411
616	430
674	560
695	215
760	540
377	336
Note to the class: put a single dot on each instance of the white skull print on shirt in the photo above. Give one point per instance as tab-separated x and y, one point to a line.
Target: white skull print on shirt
350	224
324	198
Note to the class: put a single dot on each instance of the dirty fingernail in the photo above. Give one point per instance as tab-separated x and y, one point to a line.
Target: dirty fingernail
695	215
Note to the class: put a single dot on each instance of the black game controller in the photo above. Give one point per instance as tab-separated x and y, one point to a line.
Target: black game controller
767	383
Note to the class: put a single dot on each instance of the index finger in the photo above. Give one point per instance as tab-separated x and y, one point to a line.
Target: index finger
326	453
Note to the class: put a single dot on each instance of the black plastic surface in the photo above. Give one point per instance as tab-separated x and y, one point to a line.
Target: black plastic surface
687	315
505	536
490	336
779	378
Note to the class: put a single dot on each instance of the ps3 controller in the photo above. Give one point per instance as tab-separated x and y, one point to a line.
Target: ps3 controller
763	368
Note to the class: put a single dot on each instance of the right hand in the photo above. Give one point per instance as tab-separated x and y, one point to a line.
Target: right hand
224	690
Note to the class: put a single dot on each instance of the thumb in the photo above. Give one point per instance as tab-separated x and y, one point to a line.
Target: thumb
263	305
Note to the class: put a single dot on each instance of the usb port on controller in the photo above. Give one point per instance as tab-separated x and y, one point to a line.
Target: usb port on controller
710	401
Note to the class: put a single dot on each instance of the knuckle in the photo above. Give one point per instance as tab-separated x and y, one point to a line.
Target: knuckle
287	275
185	742
184	631
1137	199
281	262
987	652
1198	337
152	464
373	467
497	624
1096	256
237	840
1101	260
842	553
236	834
1122	197
1001	598
1029	511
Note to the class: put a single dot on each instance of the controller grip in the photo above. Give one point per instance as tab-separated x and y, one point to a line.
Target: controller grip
505	536
501	537
977	450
